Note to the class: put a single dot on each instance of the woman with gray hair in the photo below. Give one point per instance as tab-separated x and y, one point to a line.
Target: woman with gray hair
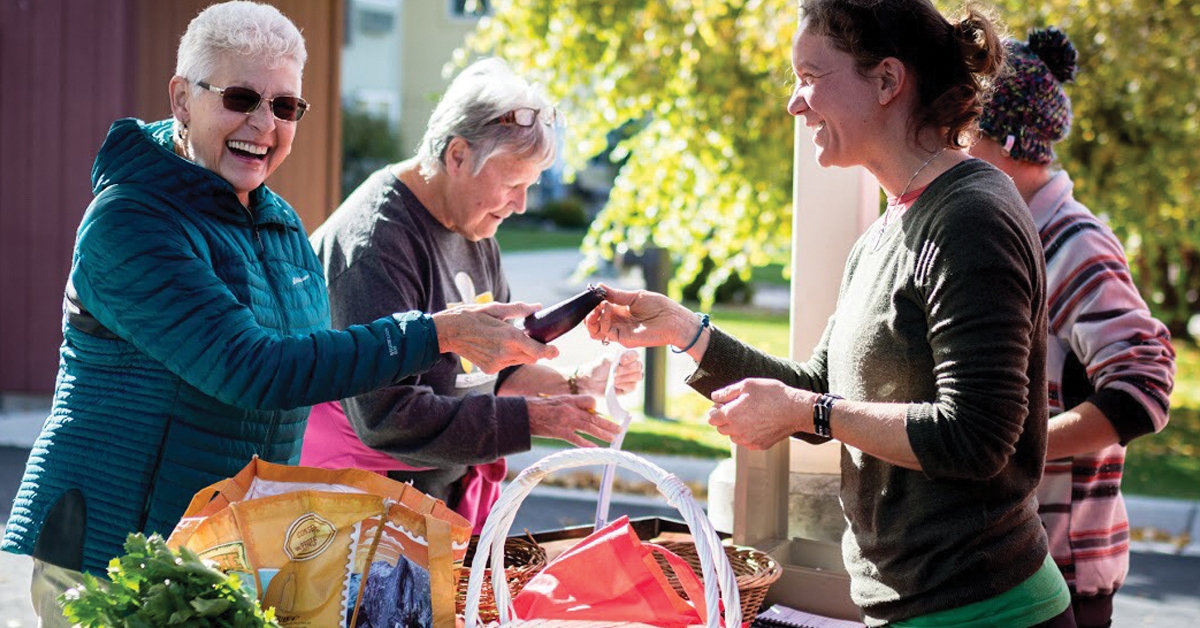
196	323
418	235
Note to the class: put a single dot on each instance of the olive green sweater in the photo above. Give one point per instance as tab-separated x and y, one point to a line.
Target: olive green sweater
943	311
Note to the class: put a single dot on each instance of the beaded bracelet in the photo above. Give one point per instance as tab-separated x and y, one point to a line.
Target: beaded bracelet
703	324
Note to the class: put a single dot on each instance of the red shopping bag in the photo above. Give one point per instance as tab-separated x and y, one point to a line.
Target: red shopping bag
612	576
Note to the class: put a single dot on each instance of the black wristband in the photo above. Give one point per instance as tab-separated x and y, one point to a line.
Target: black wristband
821	410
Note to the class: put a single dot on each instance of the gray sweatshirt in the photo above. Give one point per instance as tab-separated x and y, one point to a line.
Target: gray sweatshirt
383	252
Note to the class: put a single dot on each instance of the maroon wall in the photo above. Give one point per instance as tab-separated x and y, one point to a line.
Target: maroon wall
68	69
65	73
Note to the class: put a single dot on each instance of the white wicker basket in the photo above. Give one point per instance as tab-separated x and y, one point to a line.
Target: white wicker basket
720	582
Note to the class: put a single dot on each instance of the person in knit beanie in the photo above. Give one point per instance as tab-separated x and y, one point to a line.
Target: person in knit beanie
1028	111
1110	364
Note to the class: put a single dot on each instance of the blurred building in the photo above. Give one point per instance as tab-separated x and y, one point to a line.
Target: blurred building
394	55
394	64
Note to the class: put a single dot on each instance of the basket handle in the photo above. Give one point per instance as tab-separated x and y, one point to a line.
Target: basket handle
685	576
720	584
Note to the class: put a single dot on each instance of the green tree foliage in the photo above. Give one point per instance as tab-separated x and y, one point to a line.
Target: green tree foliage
708	168
369	142
1134	151
708	173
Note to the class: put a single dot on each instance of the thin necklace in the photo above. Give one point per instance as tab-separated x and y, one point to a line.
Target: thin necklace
887	215
914	175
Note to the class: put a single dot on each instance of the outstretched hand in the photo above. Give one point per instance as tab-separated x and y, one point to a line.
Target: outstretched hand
756	413
566	417
480	333
594	376
640	318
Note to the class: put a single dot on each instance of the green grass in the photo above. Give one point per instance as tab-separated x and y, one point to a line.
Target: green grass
767	331
514	238
1167	464
686	433
678	438
770	274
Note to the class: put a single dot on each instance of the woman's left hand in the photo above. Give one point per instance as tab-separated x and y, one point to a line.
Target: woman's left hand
592	378
756	413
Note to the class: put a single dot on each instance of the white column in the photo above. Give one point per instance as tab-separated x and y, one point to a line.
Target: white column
832	207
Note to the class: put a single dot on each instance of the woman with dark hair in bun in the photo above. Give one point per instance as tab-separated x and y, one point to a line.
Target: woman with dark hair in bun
1110	364
931	371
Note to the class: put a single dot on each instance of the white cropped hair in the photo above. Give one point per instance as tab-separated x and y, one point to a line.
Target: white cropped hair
246	28
482	92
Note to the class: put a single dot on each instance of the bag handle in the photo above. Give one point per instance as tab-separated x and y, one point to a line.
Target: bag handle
204	496
687	578
720	584
362	586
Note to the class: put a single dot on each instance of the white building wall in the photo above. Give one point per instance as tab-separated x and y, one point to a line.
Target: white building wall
429	36
372	64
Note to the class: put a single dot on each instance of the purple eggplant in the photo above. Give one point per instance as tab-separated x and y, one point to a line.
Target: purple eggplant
549	323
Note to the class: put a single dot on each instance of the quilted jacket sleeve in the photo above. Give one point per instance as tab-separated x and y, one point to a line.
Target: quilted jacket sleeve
141	274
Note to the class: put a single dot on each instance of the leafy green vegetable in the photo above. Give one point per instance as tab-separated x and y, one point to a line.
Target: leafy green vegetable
152	586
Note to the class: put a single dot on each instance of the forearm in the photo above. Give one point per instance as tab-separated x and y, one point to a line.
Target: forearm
535	379
420	428
1080	430
878	429
726	360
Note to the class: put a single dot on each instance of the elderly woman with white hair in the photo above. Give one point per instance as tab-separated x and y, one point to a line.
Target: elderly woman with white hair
418	235
196	323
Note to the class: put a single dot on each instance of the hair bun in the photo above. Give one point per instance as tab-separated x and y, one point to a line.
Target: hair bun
1056	51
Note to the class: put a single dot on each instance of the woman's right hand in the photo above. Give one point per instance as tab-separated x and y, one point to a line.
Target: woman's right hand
641	318
566	417
481	334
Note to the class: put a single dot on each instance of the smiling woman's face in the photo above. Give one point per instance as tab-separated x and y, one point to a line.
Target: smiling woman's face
243	149
833	99
478	203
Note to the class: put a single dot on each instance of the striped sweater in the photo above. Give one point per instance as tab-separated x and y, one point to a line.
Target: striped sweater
1104	348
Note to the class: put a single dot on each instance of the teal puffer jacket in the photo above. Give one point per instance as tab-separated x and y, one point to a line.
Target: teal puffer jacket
196	336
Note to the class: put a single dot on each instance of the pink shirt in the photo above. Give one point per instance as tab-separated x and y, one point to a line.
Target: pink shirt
330	443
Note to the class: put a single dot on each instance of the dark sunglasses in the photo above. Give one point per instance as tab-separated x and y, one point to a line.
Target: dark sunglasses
245	100
527	116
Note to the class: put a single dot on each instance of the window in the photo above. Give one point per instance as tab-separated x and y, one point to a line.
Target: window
375	22
470	8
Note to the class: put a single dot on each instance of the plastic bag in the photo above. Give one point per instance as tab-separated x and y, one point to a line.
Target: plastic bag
612	576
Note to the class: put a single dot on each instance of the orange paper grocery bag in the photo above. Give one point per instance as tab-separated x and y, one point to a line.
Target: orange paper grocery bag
331	548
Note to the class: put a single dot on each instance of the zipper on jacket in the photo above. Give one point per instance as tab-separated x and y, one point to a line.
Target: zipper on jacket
262	250
276	416
152	488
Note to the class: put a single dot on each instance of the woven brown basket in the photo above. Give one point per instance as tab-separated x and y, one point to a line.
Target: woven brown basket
523	558
755	571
